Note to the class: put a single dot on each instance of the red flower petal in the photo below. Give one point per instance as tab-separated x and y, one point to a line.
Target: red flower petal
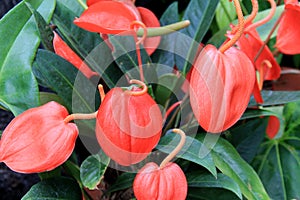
128	127
63	50
168	183
273	127
250	43
288	35
150	20
220	88
38	140
110	17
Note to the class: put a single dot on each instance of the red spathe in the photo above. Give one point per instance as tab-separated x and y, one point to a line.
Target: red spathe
38	140
288	35
220	87
167	183
128	127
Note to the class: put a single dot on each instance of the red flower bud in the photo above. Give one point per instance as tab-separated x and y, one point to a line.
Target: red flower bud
38	140
221	86
63	50
153	182
128	125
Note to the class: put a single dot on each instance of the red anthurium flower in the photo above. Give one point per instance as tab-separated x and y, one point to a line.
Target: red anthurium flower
114	17
273	127
153	182
109	17
288	35
221	83
166	181
128	124
220	87
38	140
63	50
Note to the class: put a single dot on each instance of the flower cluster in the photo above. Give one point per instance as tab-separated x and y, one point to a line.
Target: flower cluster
129	122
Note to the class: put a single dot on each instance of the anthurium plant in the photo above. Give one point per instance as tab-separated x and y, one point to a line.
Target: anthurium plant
115	101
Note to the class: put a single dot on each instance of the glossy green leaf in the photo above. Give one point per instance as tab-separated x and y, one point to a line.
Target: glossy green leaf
124	181
200	13
279	159
164	55
247	142
60	76
278	167
200	180
193	151
92	170
75	6
44	29
229	162
46	97
210	193
167	85
277	97
225	13
291	114
126	57
54	188
19	41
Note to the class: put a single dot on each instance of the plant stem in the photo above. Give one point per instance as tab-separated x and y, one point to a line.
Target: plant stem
80	116
269	37
164	30
176	150
82	4
240	30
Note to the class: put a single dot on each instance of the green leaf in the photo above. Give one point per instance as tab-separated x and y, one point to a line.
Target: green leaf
229	162
126	57
193	151
167	85
19	41
247	142
164	54
54	188
200	13
201	180
60	76
279	163
44	29
225	13
123	181
277	97
92	170
291	114
210	193
46	97
72	5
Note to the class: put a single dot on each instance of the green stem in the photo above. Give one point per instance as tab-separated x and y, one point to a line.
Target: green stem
164	30
82	4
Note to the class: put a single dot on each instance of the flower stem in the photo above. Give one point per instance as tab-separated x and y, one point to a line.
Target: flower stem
240	30
176	150
80	116
137	93
82	4
168	112
266	19
164	30
138	51
269	37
